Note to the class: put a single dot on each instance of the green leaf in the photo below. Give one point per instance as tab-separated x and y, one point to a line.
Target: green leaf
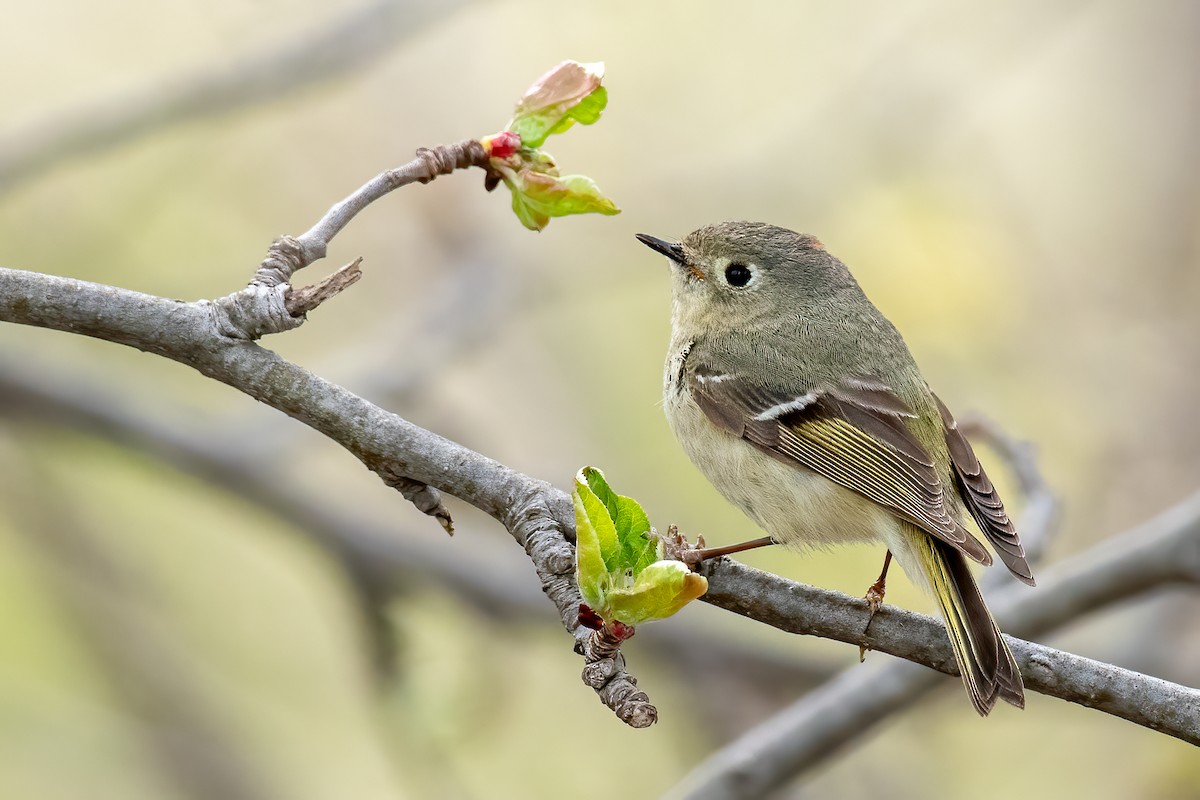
558	197
636	548
596	543
660	590
599	485
537	196
619	566
587	112
530	217
568	93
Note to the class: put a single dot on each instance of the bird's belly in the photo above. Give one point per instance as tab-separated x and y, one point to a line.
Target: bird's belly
795	505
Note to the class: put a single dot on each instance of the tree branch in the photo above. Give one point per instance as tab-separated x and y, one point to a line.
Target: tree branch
797	608
149	673
369	549
217	341
1164	550
208	337
289	254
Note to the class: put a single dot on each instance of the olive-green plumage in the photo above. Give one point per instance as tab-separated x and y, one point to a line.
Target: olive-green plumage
802	405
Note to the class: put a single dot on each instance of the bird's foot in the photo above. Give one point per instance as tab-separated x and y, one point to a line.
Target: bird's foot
874	598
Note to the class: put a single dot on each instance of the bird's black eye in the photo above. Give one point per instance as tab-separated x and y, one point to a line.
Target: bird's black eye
738	275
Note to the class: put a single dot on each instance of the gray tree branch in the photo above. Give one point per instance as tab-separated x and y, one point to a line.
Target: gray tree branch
371	550
217	341
216	338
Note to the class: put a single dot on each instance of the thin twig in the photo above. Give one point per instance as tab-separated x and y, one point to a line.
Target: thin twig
291	253
426	499
300	301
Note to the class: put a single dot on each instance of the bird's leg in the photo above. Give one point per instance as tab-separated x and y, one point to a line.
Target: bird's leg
877	590
874	598
716	552
677	548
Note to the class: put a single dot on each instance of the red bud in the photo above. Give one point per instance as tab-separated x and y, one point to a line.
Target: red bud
503	144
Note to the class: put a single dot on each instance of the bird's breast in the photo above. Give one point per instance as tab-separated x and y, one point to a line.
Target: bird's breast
794	505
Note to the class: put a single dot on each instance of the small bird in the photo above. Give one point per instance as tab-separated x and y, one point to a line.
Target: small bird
802	405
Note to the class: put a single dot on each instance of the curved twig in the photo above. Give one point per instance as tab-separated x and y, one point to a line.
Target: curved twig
291	253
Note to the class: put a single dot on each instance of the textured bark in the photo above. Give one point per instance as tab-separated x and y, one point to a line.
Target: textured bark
216	338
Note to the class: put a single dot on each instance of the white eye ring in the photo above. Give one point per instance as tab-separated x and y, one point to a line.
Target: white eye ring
739	275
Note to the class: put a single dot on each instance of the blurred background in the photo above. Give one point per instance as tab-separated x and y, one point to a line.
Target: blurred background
202	598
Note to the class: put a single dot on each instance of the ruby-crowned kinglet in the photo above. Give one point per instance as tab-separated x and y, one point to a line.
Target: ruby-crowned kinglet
801	404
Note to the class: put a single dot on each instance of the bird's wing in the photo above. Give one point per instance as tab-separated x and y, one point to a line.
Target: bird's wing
982	500
853	433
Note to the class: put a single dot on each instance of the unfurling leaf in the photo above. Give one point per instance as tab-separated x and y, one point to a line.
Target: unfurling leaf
568	93
659	590
538	196
619	566
595	545
634	549
570	194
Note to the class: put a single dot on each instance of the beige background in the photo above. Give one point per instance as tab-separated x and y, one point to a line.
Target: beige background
1014	184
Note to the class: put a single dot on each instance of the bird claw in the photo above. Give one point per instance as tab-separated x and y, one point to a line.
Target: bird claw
874	598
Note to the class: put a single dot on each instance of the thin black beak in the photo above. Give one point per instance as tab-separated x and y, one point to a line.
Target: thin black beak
671	250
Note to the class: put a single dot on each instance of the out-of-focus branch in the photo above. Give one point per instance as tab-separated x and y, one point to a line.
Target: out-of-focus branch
1040	505
108	603
459	313
1163	551
331	49
371	550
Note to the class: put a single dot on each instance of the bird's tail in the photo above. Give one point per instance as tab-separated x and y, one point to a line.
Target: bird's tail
987	665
